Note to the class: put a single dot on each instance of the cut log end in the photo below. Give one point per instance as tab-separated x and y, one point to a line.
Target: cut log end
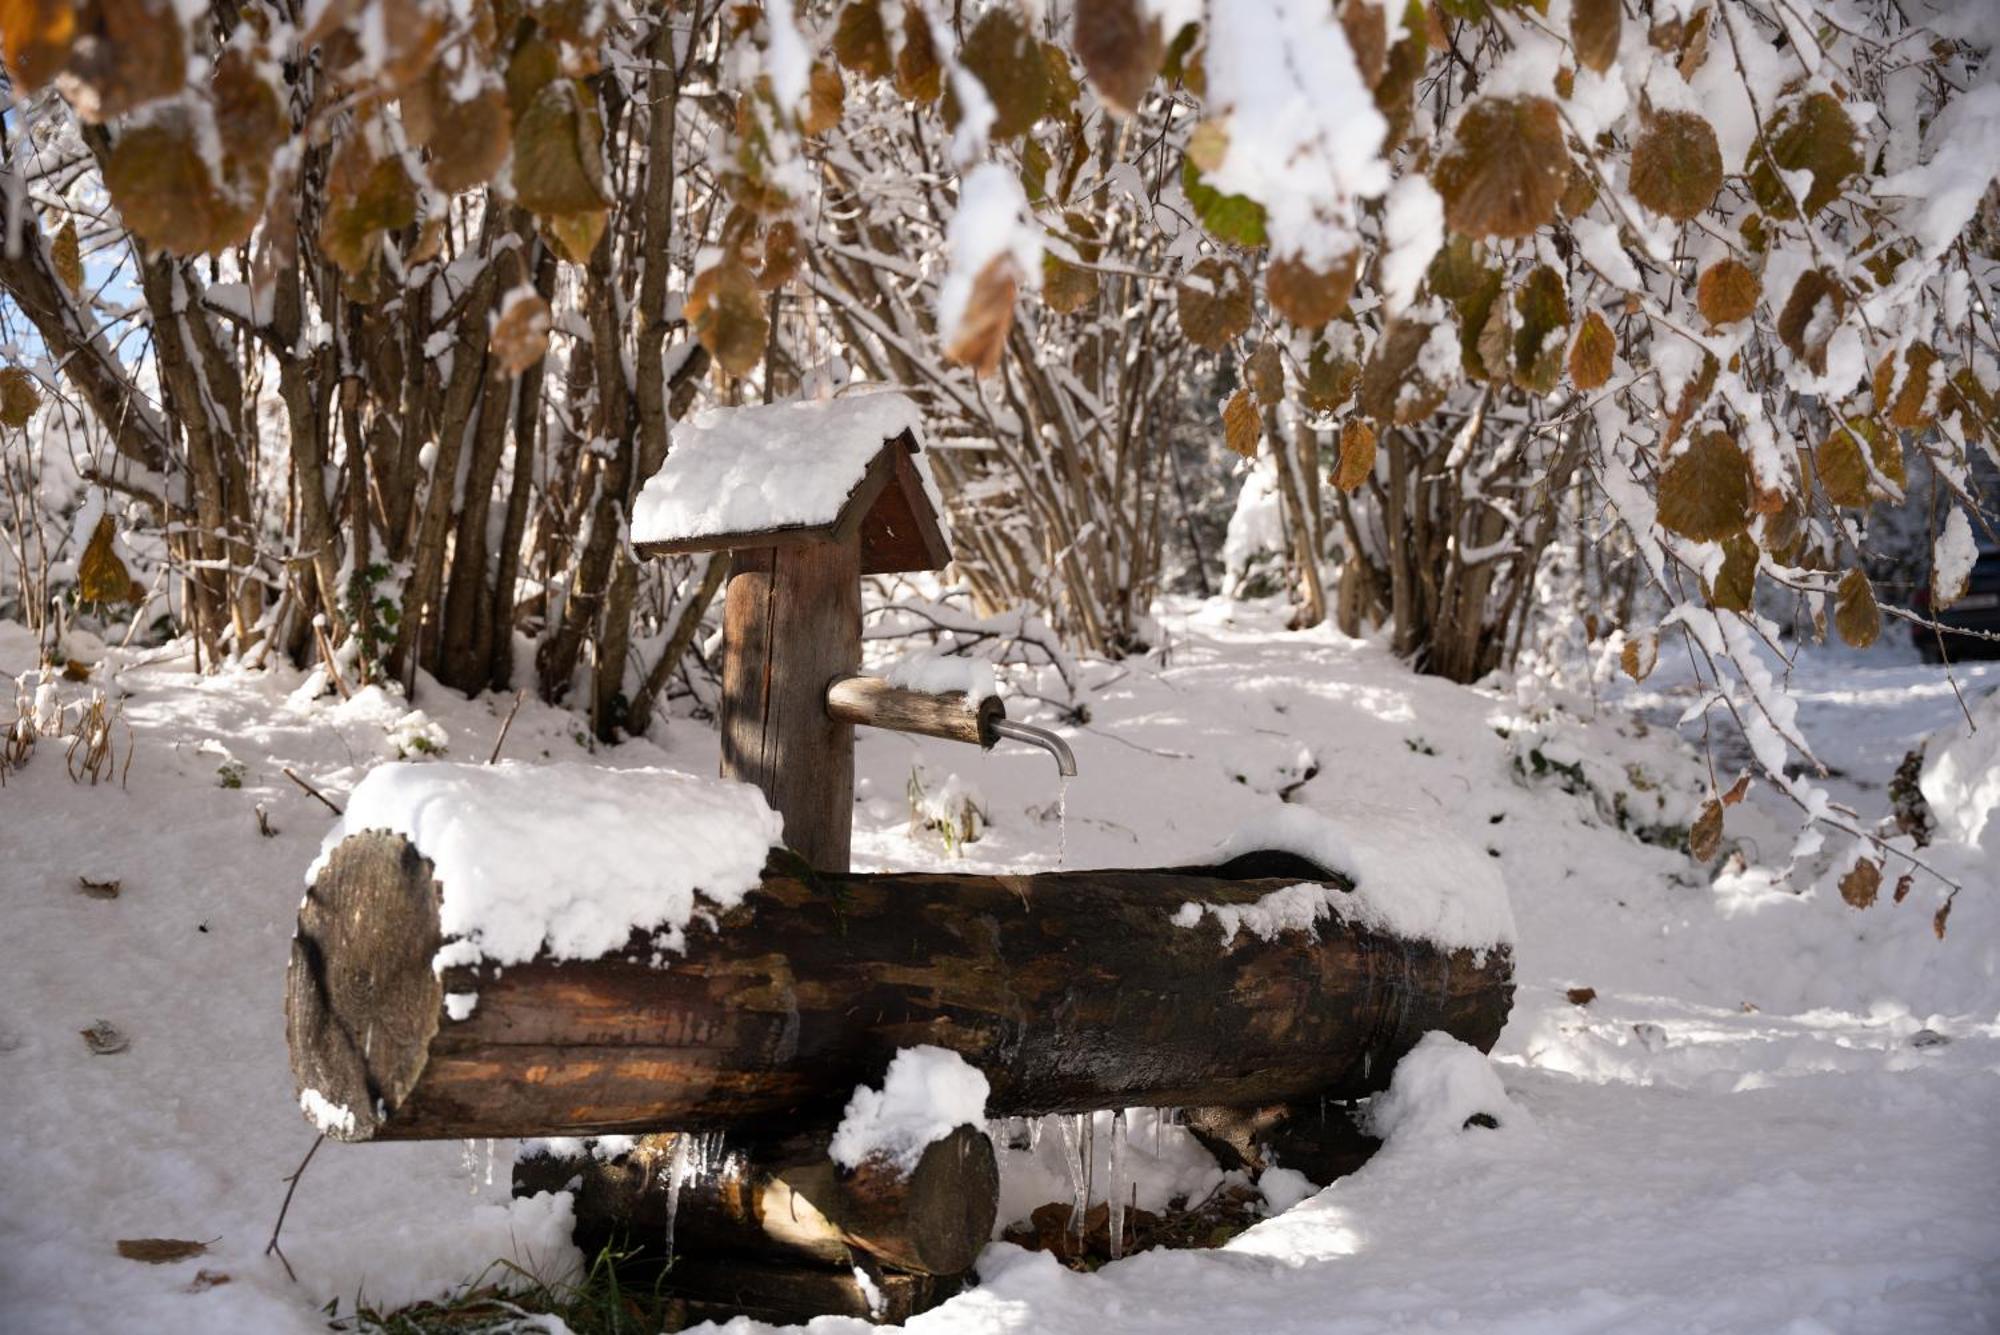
362	1002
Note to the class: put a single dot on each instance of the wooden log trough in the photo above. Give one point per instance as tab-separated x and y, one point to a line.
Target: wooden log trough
1070	991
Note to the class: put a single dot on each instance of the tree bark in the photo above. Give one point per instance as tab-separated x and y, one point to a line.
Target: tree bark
951	715
1070	991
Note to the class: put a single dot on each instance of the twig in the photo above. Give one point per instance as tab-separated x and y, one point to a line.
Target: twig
325	801
501	740
271	1248
326	658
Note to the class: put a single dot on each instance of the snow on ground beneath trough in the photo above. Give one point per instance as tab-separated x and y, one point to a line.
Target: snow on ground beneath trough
1754	1126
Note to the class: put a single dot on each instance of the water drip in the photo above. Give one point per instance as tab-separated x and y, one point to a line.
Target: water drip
1062	821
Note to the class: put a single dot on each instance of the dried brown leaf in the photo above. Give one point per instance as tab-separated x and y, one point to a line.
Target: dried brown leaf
1728	292
1861	884
919	74
861	41
1006	59
67	255
1214	303
1811	315
727	314
36	35
1506	168
559	153
1813	134
1640	654
160	1251
100	576
1676	165
1357	455
1242	427
1705	493
1855	614
1307	297
1592	354
1594	27
1264	373
1844	470
520	336
1581	996
1120	46
981	335
20	396
1705	835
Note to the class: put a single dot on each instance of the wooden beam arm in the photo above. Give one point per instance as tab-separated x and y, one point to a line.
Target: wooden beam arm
951	715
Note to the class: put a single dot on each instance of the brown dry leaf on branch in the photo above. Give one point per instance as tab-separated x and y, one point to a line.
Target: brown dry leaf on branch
1006	59
1121	48
1855	614
1845	472
19	396
1813	134
1639	655
1861	884
727	314
1214	303
1676	165
861	40
100	576
981	335
520	336
67	256
1264	373
1705	835
1727	292
1594	26
1591	355
1705	493
1306	297
1357	456
1506	168
1241	426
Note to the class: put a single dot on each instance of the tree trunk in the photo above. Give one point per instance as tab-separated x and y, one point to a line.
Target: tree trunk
1070	991
780	1198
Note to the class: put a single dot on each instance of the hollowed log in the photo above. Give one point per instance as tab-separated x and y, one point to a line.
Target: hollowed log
1070	991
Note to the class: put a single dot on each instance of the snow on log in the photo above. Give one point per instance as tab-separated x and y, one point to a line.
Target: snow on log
1068	991
781	1197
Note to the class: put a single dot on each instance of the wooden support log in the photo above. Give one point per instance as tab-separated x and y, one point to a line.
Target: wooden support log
720	1290
1070	991
783	1199
1320	1139
952	715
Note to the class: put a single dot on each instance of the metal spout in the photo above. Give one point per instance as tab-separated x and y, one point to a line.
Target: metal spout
1042	737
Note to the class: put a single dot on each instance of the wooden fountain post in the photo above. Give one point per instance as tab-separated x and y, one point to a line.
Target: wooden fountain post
792	626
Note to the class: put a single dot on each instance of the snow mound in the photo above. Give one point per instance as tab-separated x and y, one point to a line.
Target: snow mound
566	858
775	465
928	1093
1437	1087
1413	878
938	673
1961	781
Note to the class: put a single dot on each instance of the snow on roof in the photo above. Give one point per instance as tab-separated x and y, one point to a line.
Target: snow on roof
570	858
1413	878
770	466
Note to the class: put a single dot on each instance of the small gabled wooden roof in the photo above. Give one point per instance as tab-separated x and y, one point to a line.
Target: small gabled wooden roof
831	470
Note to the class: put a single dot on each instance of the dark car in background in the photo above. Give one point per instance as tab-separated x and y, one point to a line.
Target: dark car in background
1977	610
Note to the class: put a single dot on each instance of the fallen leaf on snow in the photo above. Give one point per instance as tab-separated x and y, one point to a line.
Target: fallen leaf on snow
107	889
160	1251
1582	996
105	1038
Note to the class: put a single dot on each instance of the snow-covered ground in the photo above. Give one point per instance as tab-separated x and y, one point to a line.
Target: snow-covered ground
1754	1126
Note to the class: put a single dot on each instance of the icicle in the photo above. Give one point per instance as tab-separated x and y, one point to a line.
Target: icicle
468	1163
1114	1194
489	1161
1089	1169
677	1176
1035	1134
1071	1128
